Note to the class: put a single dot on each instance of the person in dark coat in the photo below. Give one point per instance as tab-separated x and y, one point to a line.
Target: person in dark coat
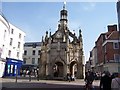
89	78
105	82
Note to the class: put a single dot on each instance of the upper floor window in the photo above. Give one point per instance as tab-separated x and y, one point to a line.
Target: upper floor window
39	52
19	35
18	44
117	57
34	45
11	40
5	34
25	52
33	53
12	30
18	54
9	53
38	60
116	45
33	60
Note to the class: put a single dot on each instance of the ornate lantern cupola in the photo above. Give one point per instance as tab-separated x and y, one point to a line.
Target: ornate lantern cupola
63	14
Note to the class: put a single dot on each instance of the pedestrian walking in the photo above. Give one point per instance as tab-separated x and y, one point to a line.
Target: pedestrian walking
115	85
89	78
105	82
68	77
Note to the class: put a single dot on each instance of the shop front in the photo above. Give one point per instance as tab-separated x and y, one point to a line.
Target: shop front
12	67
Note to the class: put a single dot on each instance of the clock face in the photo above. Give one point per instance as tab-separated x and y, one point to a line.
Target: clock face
59	35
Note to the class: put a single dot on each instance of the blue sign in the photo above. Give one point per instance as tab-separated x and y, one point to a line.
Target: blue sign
12	65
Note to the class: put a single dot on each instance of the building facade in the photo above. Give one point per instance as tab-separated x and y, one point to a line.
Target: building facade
105	56
11	46
32	52
4	37
108	50
16	43
93	60
59	54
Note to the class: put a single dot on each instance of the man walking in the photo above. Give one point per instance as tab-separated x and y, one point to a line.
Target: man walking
115	85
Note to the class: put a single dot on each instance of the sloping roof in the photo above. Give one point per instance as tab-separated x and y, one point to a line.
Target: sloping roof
114	35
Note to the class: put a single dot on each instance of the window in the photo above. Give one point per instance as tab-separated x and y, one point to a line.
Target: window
34	45
12	30
33	60
39	52
90	53
38	60
116	45
18	44
4	34
117	57
19	36
9	53
11	40
18	54
25	52
24	60
33	53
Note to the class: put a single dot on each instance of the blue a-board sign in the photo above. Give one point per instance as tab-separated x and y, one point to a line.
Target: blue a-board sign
12	65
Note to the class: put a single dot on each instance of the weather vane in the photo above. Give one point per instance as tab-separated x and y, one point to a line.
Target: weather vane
64	4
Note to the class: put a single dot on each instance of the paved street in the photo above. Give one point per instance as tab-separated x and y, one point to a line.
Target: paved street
25	83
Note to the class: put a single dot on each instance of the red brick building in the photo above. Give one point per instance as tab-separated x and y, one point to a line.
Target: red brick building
108	50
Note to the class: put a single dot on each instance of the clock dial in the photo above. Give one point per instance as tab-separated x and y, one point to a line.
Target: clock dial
59	35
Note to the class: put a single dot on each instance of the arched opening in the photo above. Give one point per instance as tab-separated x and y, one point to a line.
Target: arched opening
73	68
58	69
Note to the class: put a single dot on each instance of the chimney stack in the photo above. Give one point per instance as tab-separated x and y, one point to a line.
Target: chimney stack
112	28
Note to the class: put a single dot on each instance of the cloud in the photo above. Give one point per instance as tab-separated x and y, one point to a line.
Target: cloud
90	6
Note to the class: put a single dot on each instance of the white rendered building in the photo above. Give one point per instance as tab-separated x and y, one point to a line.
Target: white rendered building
4	37
11	43
32	52
16	43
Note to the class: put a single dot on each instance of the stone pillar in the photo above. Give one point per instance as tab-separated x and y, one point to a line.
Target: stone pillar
79	71
42	65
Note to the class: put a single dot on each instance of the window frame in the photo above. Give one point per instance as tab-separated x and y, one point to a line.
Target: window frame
116	57
33	52
33	60
114	46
